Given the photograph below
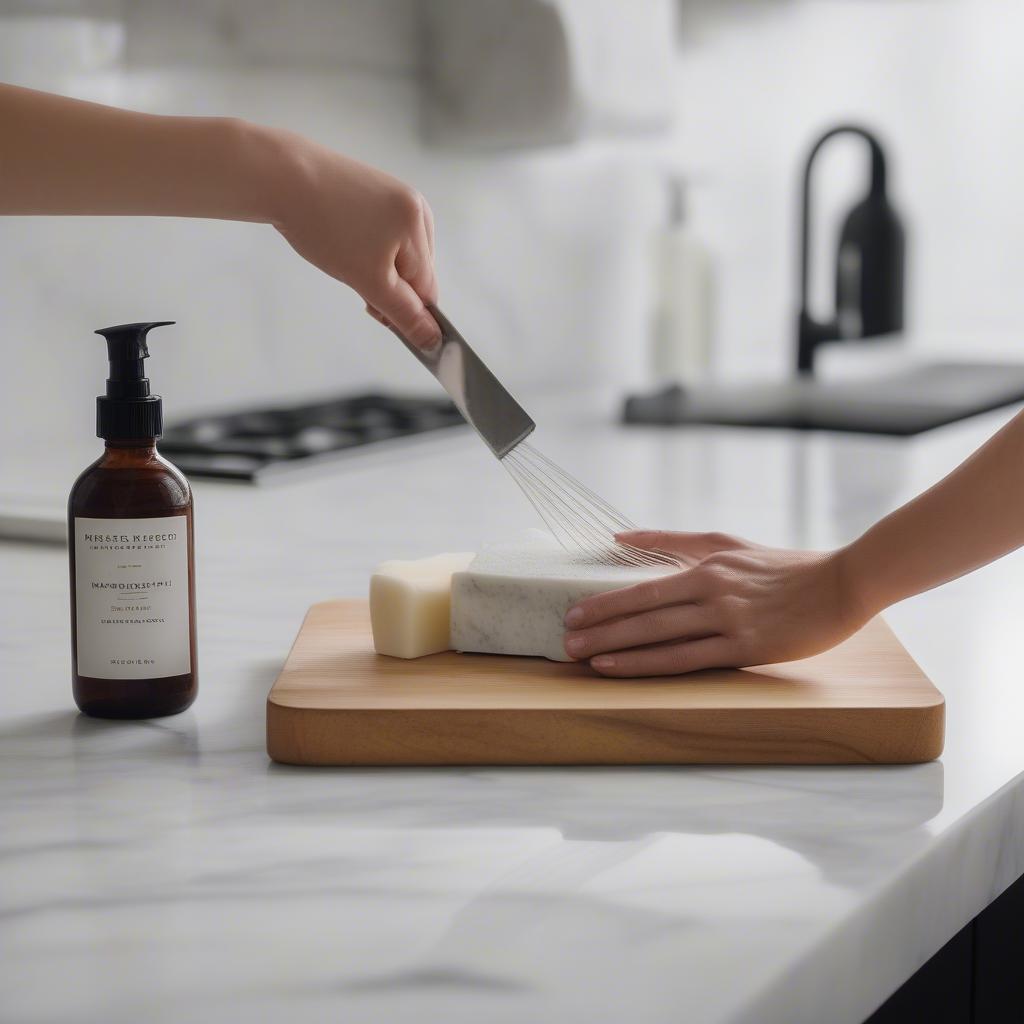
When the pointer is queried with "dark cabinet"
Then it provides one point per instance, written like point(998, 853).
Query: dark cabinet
point(976, 978)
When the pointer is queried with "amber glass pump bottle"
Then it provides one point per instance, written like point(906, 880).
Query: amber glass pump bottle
point(133, 637)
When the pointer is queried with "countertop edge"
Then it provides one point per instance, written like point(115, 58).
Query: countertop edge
point(902, 925)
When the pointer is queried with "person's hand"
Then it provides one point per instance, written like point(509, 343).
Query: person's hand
point(363, 227)
point(737, 604)
point(356, 223)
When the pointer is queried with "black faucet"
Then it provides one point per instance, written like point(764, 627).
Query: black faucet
point(868, 303)
point(869, 262)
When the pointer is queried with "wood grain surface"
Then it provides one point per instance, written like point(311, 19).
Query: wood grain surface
point(337, 702)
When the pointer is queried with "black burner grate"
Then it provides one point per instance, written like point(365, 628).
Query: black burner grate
point(250, 444)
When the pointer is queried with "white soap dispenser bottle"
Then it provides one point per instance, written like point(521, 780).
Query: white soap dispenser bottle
point(683, 286)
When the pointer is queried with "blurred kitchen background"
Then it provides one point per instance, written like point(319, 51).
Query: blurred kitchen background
point(546, 160)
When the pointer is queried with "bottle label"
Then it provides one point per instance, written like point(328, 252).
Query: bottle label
point(131, 597)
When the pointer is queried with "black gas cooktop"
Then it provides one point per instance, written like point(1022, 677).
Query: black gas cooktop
point(251, 444)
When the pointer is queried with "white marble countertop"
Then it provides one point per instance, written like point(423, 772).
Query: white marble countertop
point(167, 871)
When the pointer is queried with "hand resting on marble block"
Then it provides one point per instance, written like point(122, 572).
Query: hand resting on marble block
point(740, 604)
point(737, 604)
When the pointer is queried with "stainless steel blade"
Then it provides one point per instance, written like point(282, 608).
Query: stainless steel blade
point(481, 398)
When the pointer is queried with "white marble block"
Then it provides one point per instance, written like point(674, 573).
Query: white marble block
point(512, 598)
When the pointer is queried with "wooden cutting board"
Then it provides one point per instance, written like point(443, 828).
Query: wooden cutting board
point(337, 702)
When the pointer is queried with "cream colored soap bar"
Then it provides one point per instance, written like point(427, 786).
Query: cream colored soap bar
point(410, 605)
point(512, 598)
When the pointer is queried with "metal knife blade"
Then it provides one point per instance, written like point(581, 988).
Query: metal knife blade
point(481, 398)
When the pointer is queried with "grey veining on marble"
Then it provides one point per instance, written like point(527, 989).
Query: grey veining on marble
point(513, 597)
point(166, 871)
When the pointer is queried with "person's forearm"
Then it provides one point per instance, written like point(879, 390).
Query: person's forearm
point(355, 222)
point(64, 156)
point(970, 518)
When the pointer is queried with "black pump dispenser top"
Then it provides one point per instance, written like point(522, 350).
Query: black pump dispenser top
point(128, 412)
